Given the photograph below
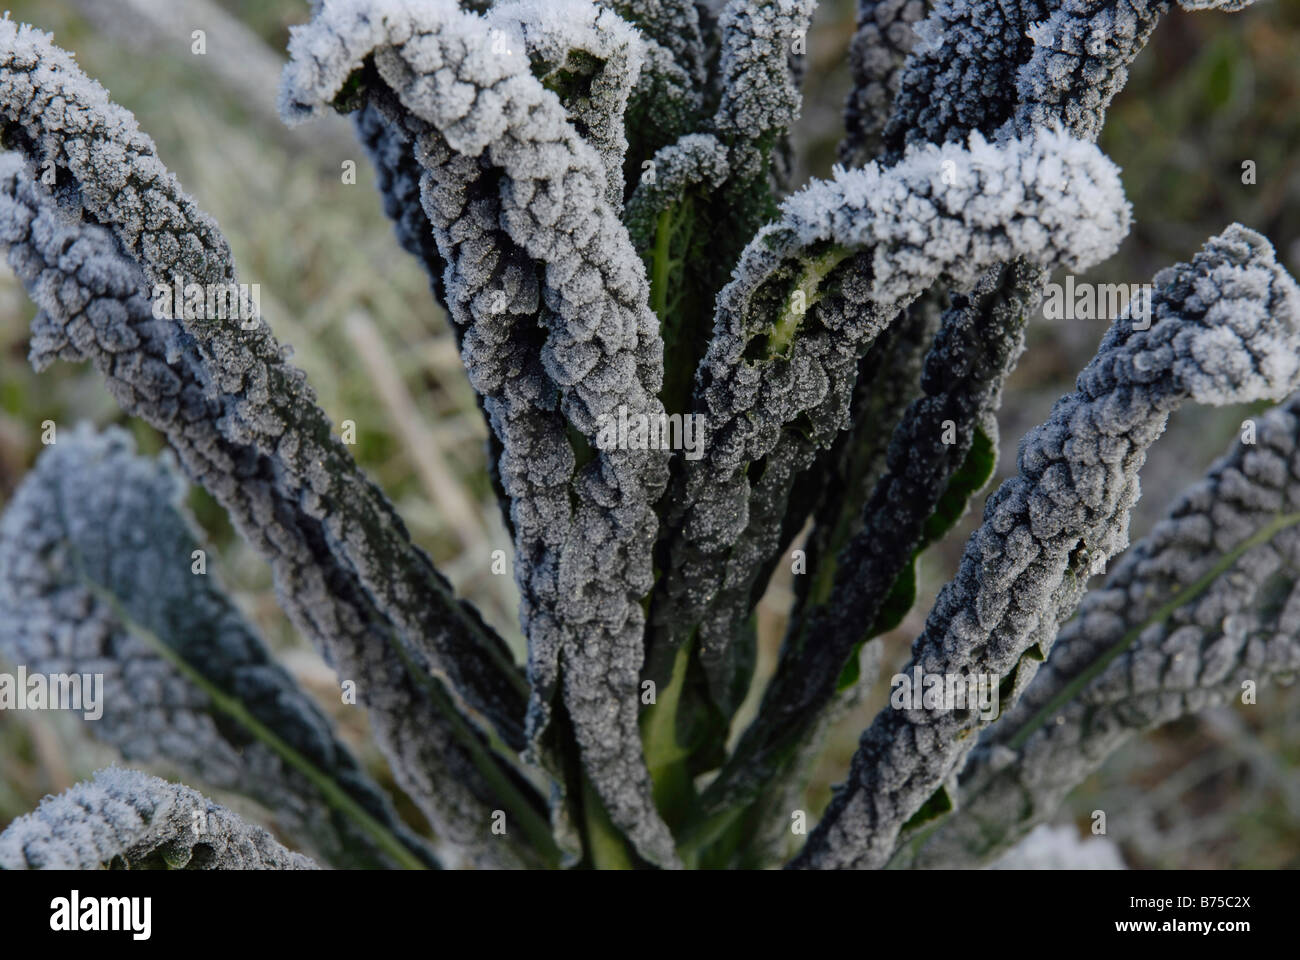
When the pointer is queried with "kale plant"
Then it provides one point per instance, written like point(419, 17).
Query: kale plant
point(692, 375)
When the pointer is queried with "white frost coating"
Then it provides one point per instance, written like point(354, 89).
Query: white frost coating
point(671, 25)
point(694, 159)
point(1224, 329)
point(127, 818)
point(1080, 59)
point(759, 95)
point(886, 33)
point(551, 30)
point(92, 512)
point(54, 112)
point(438, 61)
point(929, 37)
point(667, 98)
point(1244, 625)
point(1006, 67)
point(93, 306)
point(961, 73)
point(448, 214)
point(1048, 197)
point(603, 347)
point(945, 213)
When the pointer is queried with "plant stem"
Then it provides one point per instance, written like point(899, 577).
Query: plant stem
point(604, 842)
point(534, 826)
point(665, 756)
point(661, 263)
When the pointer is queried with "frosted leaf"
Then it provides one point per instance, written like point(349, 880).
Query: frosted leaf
point(668, 97)
point(1024, 570)
point(878, 238)
point(979, 340)
point(127, 819)
point(491, 291)
point(759, 96)
point(886, 32)
point(674, 25)
point(92, 513)
point(1080, 58)
point(398, 181)
point(1228, 6)
point(562, 37)
point(695, 159)
point(602, 348)
point(154, 370)
point(961, 76)
point(990, 64)
point(54, 112)
point(1079, 708)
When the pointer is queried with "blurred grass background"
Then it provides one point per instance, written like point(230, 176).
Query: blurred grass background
point(1211, 91)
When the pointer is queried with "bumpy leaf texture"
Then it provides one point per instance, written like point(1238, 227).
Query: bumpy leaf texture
point(759, 95)
point(674, 25)
point(979, 64)
point(758, 75)
point(877, 54)
point(53, 113)
point(1223, 329)
point(1206, 604)
point(124, 819)
point(996, 313)
point(667, 98)
point(961, 383)
point(92, 306)
point(91, 514)
point(961, 72)
point(697, 158)
point(490, 289)
point(774, 391)
point(1049, 85)
point(1081, 54)
point(586, 556)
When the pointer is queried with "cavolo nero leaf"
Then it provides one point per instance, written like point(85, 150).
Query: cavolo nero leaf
point(975, 472)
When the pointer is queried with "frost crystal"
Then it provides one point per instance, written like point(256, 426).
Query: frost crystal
point(1081, 55)
point(92, 516)
point(55, 113)
point(758, 93)
point(962, 76)
point(599, 193)
point(698, 158)
point(602, 349)
point(92, 306)
point(128, 820)
point(887, 31)
point(1050, 198)
point(1223, 329)
point(961, 384)
point(1125, 665)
